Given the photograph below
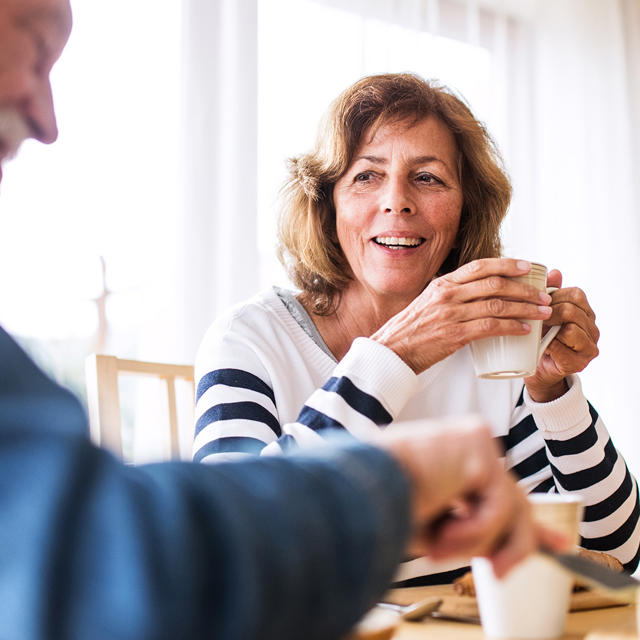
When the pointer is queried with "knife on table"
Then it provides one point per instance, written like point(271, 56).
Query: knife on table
point(619, 585)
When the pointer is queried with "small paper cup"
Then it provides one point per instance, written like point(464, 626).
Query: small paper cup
point(532, 600)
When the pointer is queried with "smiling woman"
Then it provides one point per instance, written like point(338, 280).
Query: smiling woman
point(398, 210)
point(435, 121)
point(389, 228)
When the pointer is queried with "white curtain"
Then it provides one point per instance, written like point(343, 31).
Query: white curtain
point(583, 195)
point(215, 233)
point(217, 261)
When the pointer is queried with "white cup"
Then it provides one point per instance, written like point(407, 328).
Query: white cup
point(515, 356)
point(532, 600)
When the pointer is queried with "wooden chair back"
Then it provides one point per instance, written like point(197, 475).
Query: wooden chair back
point(103, 396)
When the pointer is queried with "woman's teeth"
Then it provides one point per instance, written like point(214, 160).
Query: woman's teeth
point(397, 243)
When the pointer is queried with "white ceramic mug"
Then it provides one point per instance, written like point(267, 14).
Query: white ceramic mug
point(532, 600)
point(515, 356)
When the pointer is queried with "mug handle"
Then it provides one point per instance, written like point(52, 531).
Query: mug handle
point(551, 334)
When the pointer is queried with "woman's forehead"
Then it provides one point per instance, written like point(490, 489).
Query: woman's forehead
point(383, 129)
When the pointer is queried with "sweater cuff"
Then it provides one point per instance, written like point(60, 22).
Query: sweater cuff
point(380, 372)
point(568, 412)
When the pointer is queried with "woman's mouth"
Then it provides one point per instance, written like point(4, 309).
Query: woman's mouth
point(398, 242)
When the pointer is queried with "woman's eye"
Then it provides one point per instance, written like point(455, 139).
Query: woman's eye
point(428, 178)
point(362, 177)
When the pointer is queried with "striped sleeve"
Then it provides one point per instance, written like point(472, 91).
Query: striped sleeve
point(235, 414)
point(237, 410)
point(563, 446)
point(368, 388)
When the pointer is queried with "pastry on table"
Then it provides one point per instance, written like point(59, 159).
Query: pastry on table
point(464, 584)
point(377, 624)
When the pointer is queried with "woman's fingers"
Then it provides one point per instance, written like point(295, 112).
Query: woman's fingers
point(500, 308)
point(492, 287)
point(576, 340)
point(571, 305)
point(576, 343)
point(482, 299)
point(571, 351)
point(485, 267)
point(554, 279)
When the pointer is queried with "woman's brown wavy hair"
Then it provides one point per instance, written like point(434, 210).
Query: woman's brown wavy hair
point(308, 245)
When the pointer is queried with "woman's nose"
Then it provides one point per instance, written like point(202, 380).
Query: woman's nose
point(397, 198)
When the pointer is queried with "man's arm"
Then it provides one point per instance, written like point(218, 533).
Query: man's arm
point(262, 548)
point(267, 548)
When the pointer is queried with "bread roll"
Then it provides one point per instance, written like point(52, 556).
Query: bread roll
point(464, 584)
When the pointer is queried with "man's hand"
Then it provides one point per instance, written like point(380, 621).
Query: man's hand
point(464, 503)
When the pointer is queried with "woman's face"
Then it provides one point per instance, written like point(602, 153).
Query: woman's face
point(398, 208)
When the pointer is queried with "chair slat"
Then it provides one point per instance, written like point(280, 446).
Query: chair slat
point(173, 417)
point(103, 396)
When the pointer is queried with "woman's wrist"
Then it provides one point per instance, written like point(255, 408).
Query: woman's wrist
point(400, 347)
point(547, 393)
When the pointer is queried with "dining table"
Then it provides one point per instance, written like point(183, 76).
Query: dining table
point(593, 617)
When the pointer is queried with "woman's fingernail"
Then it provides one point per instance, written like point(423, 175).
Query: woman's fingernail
point(523, 265)
point(545, 297)
point(526, 327)
point(545, 310)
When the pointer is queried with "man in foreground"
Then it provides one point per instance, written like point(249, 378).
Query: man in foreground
point(90, 548)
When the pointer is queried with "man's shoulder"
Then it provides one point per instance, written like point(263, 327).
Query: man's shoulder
point(17, 370)
point(30, 399)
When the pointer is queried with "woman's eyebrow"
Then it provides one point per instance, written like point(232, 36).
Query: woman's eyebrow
point(416, 160)
point(374, 159)
point(427, 160)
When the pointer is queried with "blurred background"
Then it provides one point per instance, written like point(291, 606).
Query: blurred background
point(156, 208)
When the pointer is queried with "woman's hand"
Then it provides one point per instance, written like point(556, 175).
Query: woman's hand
point(475, 301)
point(572, 349)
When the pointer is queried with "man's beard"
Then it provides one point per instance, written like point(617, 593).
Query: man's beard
point(13, 131)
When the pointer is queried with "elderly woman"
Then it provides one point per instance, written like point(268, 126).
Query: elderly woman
point(390, 231)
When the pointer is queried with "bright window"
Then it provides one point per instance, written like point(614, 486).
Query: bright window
point(108, 187)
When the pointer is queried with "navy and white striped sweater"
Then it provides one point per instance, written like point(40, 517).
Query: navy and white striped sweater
point(265, 381)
